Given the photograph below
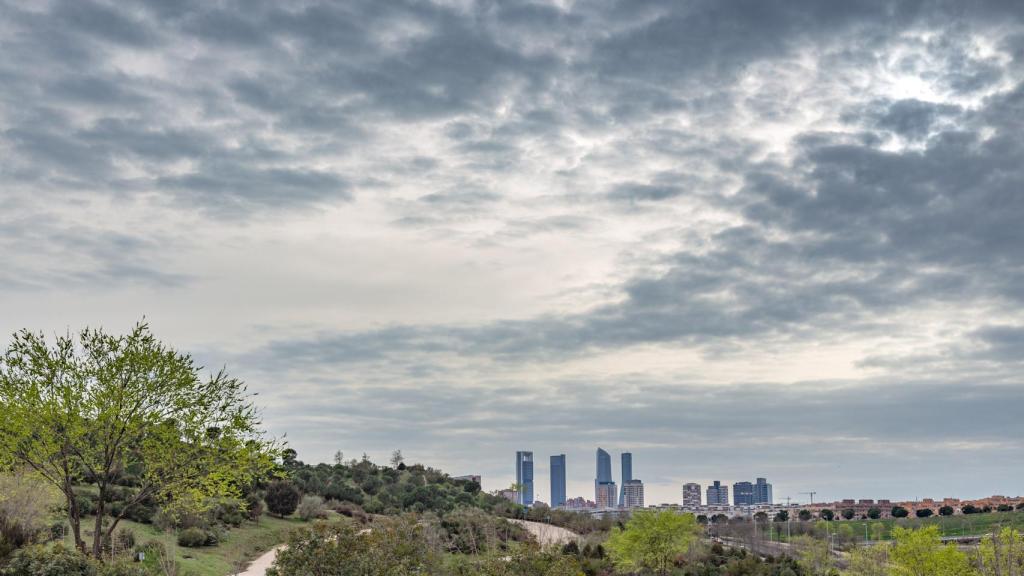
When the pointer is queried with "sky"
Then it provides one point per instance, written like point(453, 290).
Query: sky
point(736, 238)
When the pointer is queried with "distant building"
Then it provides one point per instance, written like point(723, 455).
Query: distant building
point(604, 494)
point(508, 494)
point(557, 480)
point(717, 495)
point(632, 494)
point(627, 475)
point(743, 494)
point(470, 477)
point(579, 503)
point(603, 480)
point(691, 496)
point(763, 492)
point(524, 478)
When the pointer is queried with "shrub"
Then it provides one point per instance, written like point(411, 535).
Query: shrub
point(900, 512)
point(923, 512)
point(192, 538)
point(969, 509)
point(254, 506)
point(41, 561)
point(849, 513)
point(874, 513)
point(946, 511)
point(1004, 508)
point(312, 507)
point(282, 498)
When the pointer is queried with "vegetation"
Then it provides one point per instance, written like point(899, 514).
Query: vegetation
point(282, 498)
point(651, 541)
point(101, 409)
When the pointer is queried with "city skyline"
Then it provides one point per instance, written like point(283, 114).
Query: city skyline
point(736, 239)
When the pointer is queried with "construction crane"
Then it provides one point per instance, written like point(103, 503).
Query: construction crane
point(811, 494)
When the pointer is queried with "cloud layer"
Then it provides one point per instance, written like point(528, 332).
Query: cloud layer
point(738, 238)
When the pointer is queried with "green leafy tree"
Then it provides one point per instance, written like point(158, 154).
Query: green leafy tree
point(1002, 554)
point(868, 561)
point(874, 513)
point(782, 516)
point(946, 511)
point(899, 512)
point(827, 515)
point(651, 541)
point(921, 553)
point(849, 513)
point(84, 409)
point(805, 515)
point(923, 513)
point(813, 556)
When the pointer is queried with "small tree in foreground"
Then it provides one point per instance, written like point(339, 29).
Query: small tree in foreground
point(921, 553)
point(651, 541)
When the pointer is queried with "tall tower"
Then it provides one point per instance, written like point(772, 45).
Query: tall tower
point(524, 478)
point(627, 475)
point(558, 480)
point(604, 486)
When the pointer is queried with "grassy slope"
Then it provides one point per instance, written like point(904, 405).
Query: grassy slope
point(240, 546)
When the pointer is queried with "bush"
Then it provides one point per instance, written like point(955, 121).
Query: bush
point(923, 512)
point(282, 498)
point(1004, 508)
point(900, 512)
point(874, 513)
point(192, 538)
point(254, 506)
point(42, 561)
point(849, 513)
point(946, 511)
point(970, 509)
point(312, 507)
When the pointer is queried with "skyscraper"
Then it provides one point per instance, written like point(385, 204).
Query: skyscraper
point(743, 494)
point(627, 475)
point(557, 480)
point(604, 486)
point(632, 494)
point(524, 478)
point(763, 492)
point(718, 495)
point(691, 496)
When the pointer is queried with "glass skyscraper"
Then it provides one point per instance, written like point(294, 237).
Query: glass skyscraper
point(558, 480)
point(524, 478)
point(627, 475)
point(763, 492)
point(604, 486)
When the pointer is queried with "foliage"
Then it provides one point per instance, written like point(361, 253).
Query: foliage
point(868, 561)
point(394, 547)
point(83, 409)
point(1002, 554)
point(804, 515)
point(921, 553)
point(946, 511)
point(311, 507)
point(923, 512)
point(39, 560)
point(193, 537)
point(827, 515)
point(899, 512)
point(874, 513)
point(282, 498)
point(848, 513)
point(651, 541)
point(26, 505)
point(813, 556)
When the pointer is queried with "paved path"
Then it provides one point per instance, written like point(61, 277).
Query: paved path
point(259, 566)
point(547, 534)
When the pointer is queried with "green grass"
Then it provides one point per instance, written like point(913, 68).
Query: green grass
point(240, 546)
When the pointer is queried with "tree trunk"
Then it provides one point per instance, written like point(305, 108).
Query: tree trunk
point(97, 535)
point(74, 516)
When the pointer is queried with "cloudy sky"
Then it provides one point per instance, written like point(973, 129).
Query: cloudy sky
point(740, 238)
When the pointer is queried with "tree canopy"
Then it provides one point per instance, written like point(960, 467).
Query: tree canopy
point(89, 408)
point(651, 541)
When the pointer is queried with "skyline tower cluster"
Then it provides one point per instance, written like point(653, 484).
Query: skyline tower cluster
point(607, 493)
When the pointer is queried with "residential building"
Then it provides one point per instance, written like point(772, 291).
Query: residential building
point(604, 494)
point(524, 478)
point(603, 480)
point(691, 496)
point(763, 492)
point(470, 477)
point(627, 475)
point(558, 480)
point(632, 494)
point(579, 503)
point(717, 495)
point(743, 494)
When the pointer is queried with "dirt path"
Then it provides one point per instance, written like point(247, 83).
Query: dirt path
point(259, 566)
point(547, 534)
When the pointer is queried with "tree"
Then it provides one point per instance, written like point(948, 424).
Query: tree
point(921, 553)
point(651, 541)
point(923, 512)
point(282, 498)
point(868, 561)
point(1002, 554)
point(969, 509)
point(899, 512)
point(89, 407)
point(1004, 508)
point(397, 459)
point(946, 511)
point(874, 513)
point(849, 513)
point(339, 458)
point(805, 515)
point(782, 516)
point(813, 555)
point(827, 515)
